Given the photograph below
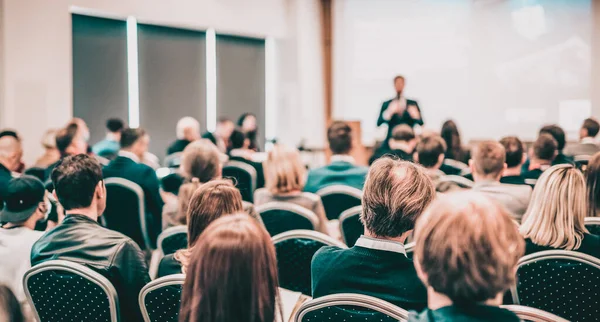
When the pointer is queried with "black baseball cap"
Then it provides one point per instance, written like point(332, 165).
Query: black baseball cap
point(21, 198)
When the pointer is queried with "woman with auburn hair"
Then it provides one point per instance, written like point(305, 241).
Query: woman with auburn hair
point(208, 203)
point(232, 275)
point(285, 176)
point(592, 175)
point(451, 135)
point(555, 217)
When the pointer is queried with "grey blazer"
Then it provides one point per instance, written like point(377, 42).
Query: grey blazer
point(582, 149)
point(515, 198)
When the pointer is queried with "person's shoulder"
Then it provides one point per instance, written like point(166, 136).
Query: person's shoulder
point(327, 254)
point(311, 196)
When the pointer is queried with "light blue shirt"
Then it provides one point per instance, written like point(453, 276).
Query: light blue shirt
point(105, 147)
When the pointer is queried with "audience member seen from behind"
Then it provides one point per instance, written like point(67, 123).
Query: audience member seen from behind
point(10, 161)
point(220, 137)
point(284, 181)
point(25, 205)
point(488, 165)
point(592, 175)
point(343, 169)
point(175, 210)
point(466, 273)
point(587, 139)
point(248, 126)
point(429, 153)
point(187, 131)
point(515, 157)
point(541, 156)
point(70, 140)
point(232, 274)
point(109, 147)
point(241, 152)
point(10, 308)
point(559, 135)
point(555, 217)
point(80, 238)
point(127, 165)
point(396, 194)
point(454, 148)
point(208, 203)
point(401, 144)
point(51, 154)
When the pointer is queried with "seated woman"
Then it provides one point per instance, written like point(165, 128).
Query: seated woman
point(592, 175)
point(232, 275)
point(285, 176)
point(467, 249)
point(209, 202)
point(555, 217)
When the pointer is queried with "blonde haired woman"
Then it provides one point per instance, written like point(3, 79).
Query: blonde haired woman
point(555, 217)
point(285, 176)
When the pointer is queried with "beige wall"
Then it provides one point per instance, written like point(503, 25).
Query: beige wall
point(596, 59)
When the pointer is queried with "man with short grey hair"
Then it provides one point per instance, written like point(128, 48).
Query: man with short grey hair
point(188, 130)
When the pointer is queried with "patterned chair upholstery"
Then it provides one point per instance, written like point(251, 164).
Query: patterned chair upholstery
point(65, 291)
point(279, 217)
point(245, 178)
point(349, 308)
point(172, 239)
point(338, 198)
point(160, 299)
point(295, 250)
point(529, 314)
point(564, 283)
point(593, 225)
point(350, 225)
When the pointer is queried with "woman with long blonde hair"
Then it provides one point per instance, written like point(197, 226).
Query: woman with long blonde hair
point(555, 217)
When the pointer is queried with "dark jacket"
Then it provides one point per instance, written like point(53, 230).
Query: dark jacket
point(396, 119)
point(168, 266)
point(339, 172)
point(533, 174)
point(383, 151)
point(82, 240)
point(474, 313)
point(590, 244)
point(177, 146)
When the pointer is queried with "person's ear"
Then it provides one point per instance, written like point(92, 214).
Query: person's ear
point(100, 190)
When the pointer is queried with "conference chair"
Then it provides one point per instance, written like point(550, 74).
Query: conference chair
point(125, 211)
point(564, 283)
point(338, 198)
point(454, 167)
point(581, 161)
point(59, 290)
point(295, 250)
point(173, 160)
point(350, 225)
point(102, 160)
point(160, 299)
point(593, 225)
point(172, 239)
point(346, 307)
point(529, 314)
point(245, 178)
point(279, 217)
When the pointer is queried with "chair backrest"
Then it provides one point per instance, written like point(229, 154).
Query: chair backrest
point(172, 239)
point(456, 164)
point(160, 299)
point(173, 160)
point(593, 225)
point(457, 180)
point(245, 175)
point(529, 314)
point(295, 250)
point(125, 210)
point(561, 282)
point(338, 198)
point(280, 217)
point(350, 225)
point(349, 308)
point(59, 289)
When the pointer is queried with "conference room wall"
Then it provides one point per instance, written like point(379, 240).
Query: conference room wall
point(37, 64)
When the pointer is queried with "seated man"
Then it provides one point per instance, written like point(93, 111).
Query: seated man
point(515, 157)
point(127, 165)
point(25, 206)
point(541, 156)
point(109, 147)
point(220, 137)
point(79, 238)
point(487, 165)
point(396, 193)
point(11, 152)
point(430, 153)
point(188, 130)
point(240, 151)
point(401, 144)
point(466, 273)
point(70, 140)
point(342, 169)
point(587, 143)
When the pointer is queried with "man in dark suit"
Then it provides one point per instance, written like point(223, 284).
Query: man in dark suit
point(220, 137)
point(188, 130)
point(396, 194)
point(240, 151)
point(541, 155)
point(127, 165)
point(401, 144)
point(342, 170)
point(399, 110)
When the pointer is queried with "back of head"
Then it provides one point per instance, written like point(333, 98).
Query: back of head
point(488, 159)
point(476, 264)
point(557, 133)
point(451, 136)
point(114, 125)
point(429, 149)
point(284, 171)
point(592, 174)
point(237, 139)
point(201, 159)
point(129, 136)
point(75, 179)
point(10, 151)
point(556, 212)
point(395, 194)
point(403, 133)
point(339, 135)
point(545, 147)
point(232, 274)
point(10, 308)
point(188, 128)
point(514, 151)
point(65, 137)
point(591, 127)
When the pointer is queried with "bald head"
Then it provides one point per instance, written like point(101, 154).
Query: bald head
point(10, 152)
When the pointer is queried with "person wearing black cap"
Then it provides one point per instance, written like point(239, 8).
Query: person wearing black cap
point(24, 205)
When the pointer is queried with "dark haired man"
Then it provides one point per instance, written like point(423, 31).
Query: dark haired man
point(515, 157)
point(587, 136)
point(401, 144)
point(399, 110)
point(79, 238)
point(109, 147)
point(541, 156)
point(70, 140)
point(342, 169)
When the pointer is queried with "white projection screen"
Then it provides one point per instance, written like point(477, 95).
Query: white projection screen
point(502, 67)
